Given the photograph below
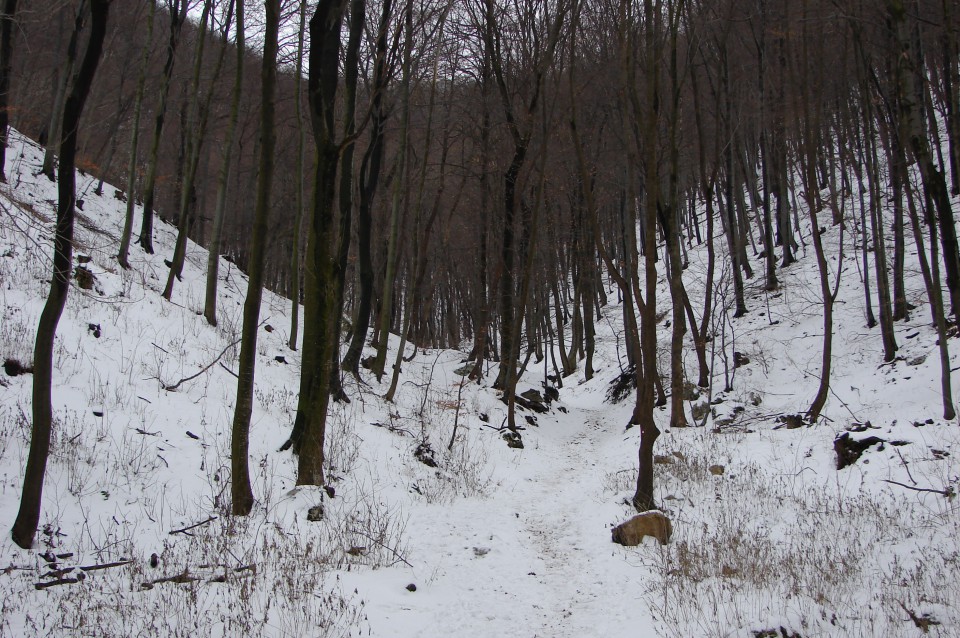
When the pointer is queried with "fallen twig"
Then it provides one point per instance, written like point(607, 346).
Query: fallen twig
point(905, 466)
point(184, 530)
point(171, 388)
point(181, 578)
point(948, 493)
point(54, 583)
point(58, 573)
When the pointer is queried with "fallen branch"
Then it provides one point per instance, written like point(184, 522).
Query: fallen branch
point(393, 429)
point(905, 466)
point(181, 578)
point(58, 573)
point(54, 583)
point(171, 388)
point(184, 530)
point(947, 493)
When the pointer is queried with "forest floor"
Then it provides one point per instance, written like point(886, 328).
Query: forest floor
point(493, 541)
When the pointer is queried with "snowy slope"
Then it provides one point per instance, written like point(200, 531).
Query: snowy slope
point(497, 541)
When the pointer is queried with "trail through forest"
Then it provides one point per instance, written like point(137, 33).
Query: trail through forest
point(534, 558)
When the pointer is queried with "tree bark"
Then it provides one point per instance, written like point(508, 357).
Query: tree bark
point(124, 252)
point(25, 527)
point(223, 177)
point(370, 168)
point(295, 259)
point(933, 179)
point(7, 17)
point(178, 14)
point(241, 492)
point(319, 307)
point(195, 130)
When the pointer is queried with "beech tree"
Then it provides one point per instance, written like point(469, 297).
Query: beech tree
point(28, 516)
point(240, 490)
point(223, 175)
point(178, 14)
point(7, 16)
point(320, 342)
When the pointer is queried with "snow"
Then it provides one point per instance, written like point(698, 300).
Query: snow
point(497, 541)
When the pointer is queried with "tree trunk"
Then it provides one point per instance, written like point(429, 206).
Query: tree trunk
point(400, 179)
point(223, 178)
point(178, 14)
point(295, 267)
point(25, 527)
point(63, 85)
point(370, 169)
point(879, 247)
point(241, 493)
point(195, 130)
point(933, 179)
point(647, 115)
point(7, 17)
point(357, 15)
point(319, 340)
point(124, 252)
point(931, 279)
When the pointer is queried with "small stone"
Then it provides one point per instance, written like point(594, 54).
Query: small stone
point(513, 439)
point(411, 587)
point(849, 450)
point(424, 453)
point(315, 513)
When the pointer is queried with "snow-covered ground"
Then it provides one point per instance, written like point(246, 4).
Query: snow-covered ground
point(494, 541)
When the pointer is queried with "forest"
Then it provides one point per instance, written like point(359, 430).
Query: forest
point(535, 184)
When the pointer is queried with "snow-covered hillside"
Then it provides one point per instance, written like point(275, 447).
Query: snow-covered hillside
point(770, 539)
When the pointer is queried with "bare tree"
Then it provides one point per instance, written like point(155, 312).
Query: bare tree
point(178, 14)
point(25, 526)
point(241, 493)
point(7, 16)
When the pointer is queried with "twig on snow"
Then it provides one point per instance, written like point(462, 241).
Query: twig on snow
point(171, 388)
point(184, 530)
point(947, 493)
